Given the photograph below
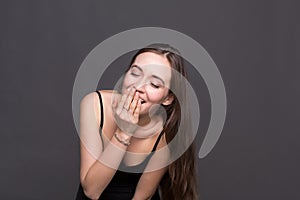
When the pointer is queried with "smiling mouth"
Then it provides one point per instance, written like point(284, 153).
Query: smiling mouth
point(143, 101)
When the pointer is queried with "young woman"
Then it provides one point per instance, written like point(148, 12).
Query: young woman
point(121, 163)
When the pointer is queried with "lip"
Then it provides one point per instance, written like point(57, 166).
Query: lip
point(143, 101)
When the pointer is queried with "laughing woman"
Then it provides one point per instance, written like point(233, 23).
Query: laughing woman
point(125, 135)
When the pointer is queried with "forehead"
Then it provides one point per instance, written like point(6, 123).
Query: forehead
point(154, 63)
point(148, 58)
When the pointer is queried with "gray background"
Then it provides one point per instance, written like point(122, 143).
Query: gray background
point(254, 44)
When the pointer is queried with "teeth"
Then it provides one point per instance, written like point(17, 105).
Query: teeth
point(143, 101)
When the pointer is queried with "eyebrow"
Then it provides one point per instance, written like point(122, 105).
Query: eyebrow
point(154, 76)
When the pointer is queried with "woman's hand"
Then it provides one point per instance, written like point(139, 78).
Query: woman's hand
point(126, 110)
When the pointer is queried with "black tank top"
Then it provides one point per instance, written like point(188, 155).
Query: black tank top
point(124, 182)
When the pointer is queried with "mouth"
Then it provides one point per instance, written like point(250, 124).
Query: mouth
point(143, 101)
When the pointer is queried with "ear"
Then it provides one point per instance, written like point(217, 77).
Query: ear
point(168, 100)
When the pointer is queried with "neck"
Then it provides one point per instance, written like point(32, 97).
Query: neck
point(144, 120)
point(149, 126)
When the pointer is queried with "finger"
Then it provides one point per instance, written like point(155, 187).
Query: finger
point(129, 98)
point(121, 104)
point(137, 110)
point(134, 103)
point(114, 102)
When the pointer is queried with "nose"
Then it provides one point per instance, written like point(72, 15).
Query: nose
point(140, 86)
point(140, 90)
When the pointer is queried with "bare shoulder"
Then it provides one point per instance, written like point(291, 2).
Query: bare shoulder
point(88, 99)
point(109, 123)
point(161, 157)
point(163, 142)
point(163, 148)
point(106, 96)
point(91, 102)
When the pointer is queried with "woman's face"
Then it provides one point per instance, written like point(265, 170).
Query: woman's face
point(150, 74)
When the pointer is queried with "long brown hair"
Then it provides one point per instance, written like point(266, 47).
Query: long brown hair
point(180, 181)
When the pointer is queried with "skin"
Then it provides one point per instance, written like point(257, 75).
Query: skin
point(150, 75)
point(148, 79)
point(140, 82)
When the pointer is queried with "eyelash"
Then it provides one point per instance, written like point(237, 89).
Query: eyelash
point(152, 84)
point(155, 86)
point(133, 74)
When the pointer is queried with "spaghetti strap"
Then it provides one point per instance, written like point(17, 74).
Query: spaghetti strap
point(101, 107)
point(102, 118)
point(158, 139)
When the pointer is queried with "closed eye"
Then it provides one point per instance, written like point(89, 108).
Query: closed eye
point(155, 86)
point(134, 74)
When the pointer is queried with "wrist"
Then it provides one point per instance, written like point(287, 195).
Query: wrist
point(122, 137)
point(123, 134)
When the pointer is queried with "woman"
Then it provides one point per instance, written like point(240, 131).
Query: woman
point(122, 162)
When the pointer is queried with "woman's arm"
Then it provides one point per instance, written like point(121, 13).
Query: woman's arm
point(95, 175)
point(148, 184)
point(150, 179)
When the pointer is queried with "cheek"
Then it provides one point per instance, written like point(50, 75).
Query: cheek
point(128, 82)
point(156, 96)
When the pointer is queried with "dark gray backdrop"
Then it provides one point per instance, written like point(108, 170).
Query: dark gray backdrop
point(255, 45)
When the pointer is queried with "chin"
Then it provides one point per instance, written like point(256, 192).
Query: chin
point(144, 112)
